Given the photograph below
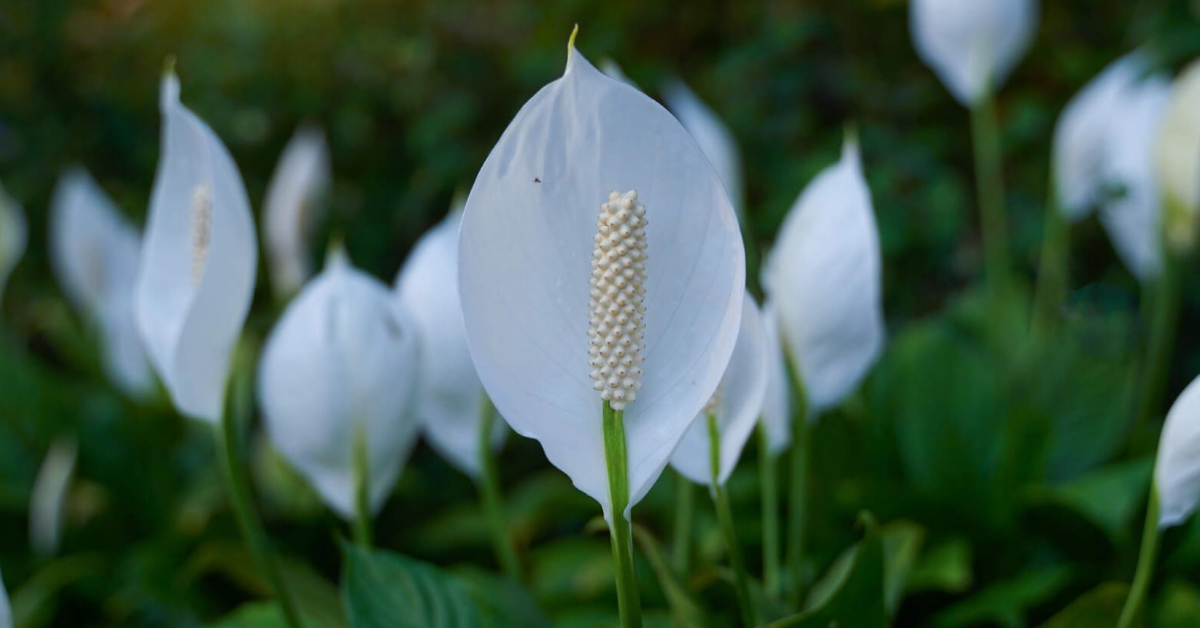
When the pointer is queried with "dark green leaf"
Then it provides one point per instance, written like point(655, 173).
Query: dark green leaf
point(385, 590)
point(852, 593)
point(1099, 607)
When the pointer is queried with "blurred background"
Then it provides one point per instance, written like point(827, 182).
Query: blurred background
point(1022, 500)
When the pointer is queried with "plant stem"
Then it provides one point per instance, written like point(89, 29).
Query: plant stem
point(989, 184)
point(362, 489)
point(489, 490)
point(1165, 315)
point(770, 513)
point(798, 487)
point(227, 436)
point(616, 455)
point(725, 518)
point(1052, 279)
point(681, 548)
point(1145, 565)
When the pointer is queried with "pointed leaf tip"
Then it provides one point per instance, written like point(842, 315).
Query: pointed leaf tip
point(571, 45)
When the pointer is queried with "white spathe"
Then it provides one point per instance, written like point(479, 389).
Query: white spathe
point(972, 45)
point(525, 250)
point(1178, 161)
point(6, 620)
point(13, 235)
point(449, 399)
point(1177, 470)
point(95, 252)
point(293, 208)
point(714, 138)
point(824, 278)
point(47, 505)
point(777, 403)
point(199, 259)
point(738, 403)
point(342, 359)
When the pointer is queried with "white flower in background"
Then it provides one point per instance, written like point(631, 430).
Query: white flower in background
point(48, 504)
point(6, 620)
point(711, 134)
point(531, 245)
point(824, 279)
point(292, 209)
point(449, 399)
point(972, 45)
point(1177, 470)
point(1178, 162)
point(736, 404)
point(13, 234)
point(613, 71)
point(340, 364)
point(777, 404)
point(198, 261)
point(95, 253)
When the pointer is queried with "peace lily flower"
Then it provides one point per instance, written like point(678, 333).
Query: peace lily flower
point(972, 45)
point(337, 375)
point(450, 400)
point(5, 610)
point(95, 252)
point(198, 261)
point(711, 134)
point(48, 504)
point(1177, 471)
point(13, 234)
point(292, 209)
point(735, 404)
point(777, 402)
point(1179, 161)
point(824, 278)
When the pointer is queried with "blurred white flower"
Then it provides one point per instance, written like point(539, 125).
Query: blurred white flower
point(6, 620)
point(714, 138)
point(1178, 162)
point(777, 403)
point(48, 504)
point(583, 145)
point(449, 399)
point(342, 361)
point(972, 45)
point(1177, 470)
point(736, 404)
point(198, 261)
point(824, 279)
point(292, 209)
point(13, 234)
point(95, 254)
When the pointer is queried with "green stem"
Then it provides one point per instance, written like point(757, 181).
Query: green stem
point(1145, 565)
point(616, 456)
point(798, 487)
point(489, 489)
point(1053, 277)
point(248, 521)
point(681, 548)
point(725, 518)
point(1165, 316)
point(362, 489)
point(989, 184)
point(770, 512)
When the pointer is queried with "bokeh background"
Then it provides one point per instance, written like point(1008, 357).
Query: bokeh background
point(1020, 475)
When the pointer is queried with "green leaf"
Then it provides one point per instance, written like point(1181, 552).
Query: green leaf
point(1099, 607)
point(902, 542)
point(944, 567)
point(1006, 602)
point(261, 615)
point(385, 590)
point(684, 609)
point(1092, 512)
point(851, 593)
point(501, 601)
point(1179, 606)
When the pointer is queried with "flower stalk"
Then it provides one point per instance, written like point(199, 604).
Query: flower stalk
point(1052, 278)
point(617, 458)
point(770, 513)
point(985, 132)
point(489, 491)
point(798, 493)
point(725, 519)
point(362, 489)
point(1147, 556)
point(685, 510)
point(1164, 316)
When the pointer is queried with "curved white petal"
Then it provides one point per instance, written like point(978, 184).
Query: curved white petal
point(342, 358)
point(13, 234)
point(1177, 471)
point(1179, 161)
point(292, 208)
point(48, 502)
point(525, 250)
point(711, 134)
point(450, 398)
point(1081, 137)
point(198, 261)
point(825, 277)
point(95, 252)
point(740, 402)
point(5, 610)
point(777, 404)
point(972, 45)
point(1132, 212)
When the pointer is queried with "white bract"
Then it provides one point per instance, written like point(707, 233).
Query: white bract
point(1177, 470)
point(13, 234)
point(591, 170)
point(95, 253)
point(736, 404)
point(449, 399)
point(824, 279)
point(5, 610)
point(198, 261)
point(47, 506)
point(341, 364)
point(711, 134)
point(292, 208)
point(777, 403)
point(1178, 162)
point(972, 45)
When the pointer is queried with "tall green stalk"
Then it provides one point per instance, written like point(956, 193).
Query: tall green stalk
point(725, 517)
point(1147, 556)
point(616, 455)
point(1053, 278)
point(489, 490)
point(1161, 344)
point(989, 183)
point(685, 511)
point(770, 513)
point(798, 486)
point(362, 489)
